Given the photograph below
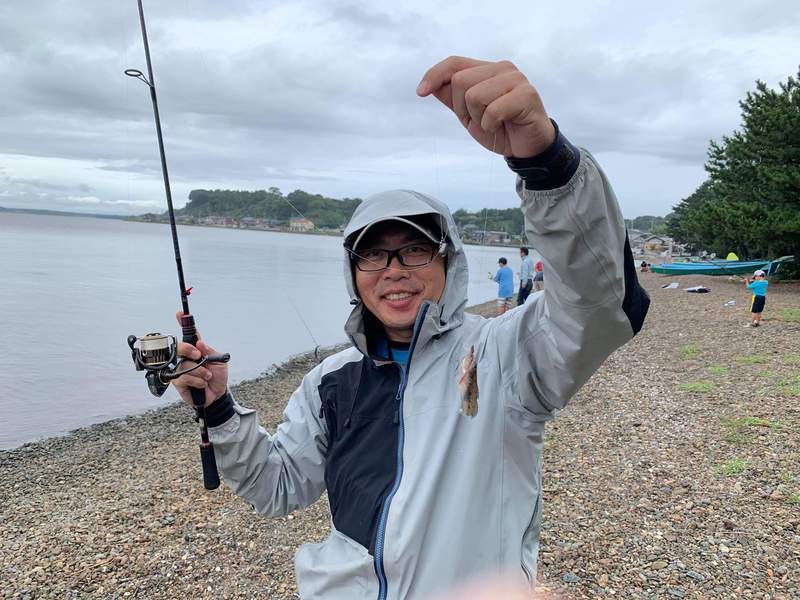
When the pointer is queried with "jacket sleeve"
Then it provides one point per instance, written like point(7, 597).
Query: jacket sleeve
point(592, 302)
point(276, 473)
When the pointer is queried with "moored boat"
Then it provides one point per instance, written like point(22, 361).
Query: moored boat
point(720, 267)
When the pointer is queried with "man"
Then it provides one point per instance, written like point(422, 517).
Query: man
point(423, 497)
point(505, 286)
point(525, 276)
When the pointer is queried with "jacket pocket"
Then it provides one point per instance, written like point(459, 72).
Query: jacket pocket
point(336, 569)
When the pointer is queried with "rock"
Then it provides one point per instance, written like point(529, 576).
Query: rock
point(570, 578)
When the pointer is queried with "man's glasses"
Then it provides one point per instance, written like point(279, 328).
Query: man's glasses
point(414, 255)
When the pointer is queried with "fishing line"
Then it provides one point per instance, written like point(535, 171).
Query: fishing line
point(297, 211)
point(486, 208)
point(308, 329)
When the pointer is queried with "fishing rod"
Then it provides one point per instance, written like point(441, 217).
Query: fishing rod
point(157, 353)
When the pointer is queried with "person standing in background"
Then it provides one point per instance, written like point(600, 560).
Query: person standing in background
point(505, 285)
point(759, 289)
point(538, 277)
point(525, 276)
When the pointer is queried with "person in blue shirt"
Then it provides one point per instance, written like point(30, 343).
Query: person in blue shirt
point(505, 286)
point(525, 276)
point(759, 287)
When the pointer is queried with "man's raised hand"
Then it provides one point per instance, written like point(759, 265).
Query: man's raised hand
point(494, 101)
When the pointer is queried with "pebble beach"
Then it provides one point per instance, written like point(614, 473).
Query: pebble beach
point(674, 473)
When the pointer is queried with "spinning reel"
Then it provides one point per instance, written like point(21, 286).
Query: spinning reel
point(158, 355)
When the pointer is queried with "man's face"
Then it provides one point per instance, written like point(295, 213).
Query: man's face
point(521, 254)
point(394, 295)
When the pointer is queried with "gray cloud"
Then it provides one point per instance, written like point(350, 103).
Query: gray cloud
point(321, 95)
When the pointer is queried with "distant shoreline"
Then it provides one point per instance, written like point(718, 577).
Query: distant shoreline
point(59, 213)
point(139, 219)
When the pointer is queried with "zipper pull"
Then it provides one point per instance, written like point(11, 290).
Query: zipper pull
point(321, 411)
point(396, 419)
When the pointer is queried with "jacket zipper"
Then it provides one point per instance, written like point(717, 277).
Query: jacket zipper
point(379, 537)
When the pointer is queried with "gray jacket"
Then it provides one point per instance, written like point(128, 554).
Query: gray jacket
point(423, 497)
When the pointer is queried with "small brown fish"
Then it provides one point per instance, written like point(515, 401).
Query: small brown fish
point(468, 384)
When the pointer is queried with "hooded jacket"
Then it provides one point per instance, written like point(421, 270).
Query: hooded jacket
point(421, 496)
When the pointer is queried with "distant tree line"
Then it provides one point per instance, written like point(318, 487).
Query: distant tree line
point(270, 204)
point(750, 203)
point(324, 212)
point(508, 220)
point(648, 223)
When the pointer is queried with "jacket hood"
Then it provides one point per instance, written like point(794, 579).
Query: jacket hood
point(440, 316)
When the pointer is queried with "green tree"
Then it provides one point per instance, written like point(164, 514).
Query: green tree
point(751, 201)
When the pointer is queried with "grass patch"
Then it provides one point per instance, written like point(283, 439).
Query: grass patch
point(736, 438)
point(732, 467)
point(787, 477)
point(789, 314)
point(764, 374)
point(791, 359)
point(790, 385)
point(700, 387)
point(740, 422)
point(736, 429)
point(793, 499)
point(718, 370)
point(689, 350)
point(752, 359)
point(792, 390)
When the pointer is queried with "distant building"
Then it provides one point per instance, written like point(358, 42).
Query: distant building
point(212, 220)
point(300, 224)
point(496, 237)
point(635, 236)
point(655, 243)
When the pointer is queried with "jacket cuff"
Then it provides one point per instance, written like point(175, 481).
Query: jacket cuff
point(552, 168)
point(219, 411)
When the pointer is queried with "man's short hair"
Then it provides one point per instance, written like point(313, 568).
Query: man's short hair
point(502, 260)
point(524, 250)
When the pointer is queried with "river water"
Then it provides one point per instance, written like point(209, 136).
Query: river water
point(72, 289)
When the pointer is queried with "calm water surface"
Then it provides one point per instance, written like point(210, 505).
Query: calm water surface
point(72, 289)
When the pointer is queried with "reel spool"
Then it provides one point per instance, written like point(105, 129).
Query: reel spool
point(157, 354)
point(155, 351)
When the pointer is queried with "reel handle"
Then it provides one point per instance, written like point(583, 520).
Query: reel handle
point(210, 472)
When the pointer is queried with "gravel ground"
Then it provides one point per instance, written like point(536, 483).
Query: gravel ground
point(674, 473)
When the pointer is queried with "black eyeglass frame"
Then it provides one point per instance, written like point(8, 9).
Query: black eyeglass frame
point(390, 254)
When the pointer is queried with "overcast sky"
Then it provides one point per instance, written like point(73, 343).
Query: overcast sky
point(320, 95)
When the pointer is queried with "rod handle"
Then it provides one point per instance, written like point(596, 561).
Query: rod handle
point(207, 459)
point(210, 473)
